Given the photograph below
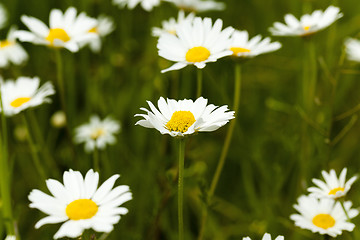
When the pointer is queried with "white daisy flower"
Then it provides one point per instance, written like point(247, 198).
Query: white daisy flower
point(332, 187)
point(24, 93)
point(197, 42)
point(352, 47)
point(184, 117)
point(11, 51)
point(267, 236)
point(97, 133)
point(325, 215)
point(80, 203)
point(66, 30)
point(105, 26)
point(3, 16)
point(170, 25)
point(147, 5)
point(308, 24)
point(198, 5)
point(242, 46)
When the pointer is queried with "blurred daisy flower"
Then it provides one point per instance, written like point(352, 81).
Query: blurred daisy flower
point(3, 16)
point(66, 30)
point(170, 25)
point(97, 133)
point(184, 117)
point(198, 5)
point(105, 26)
point(332, 187)
point(308, 24)
point(147, 5)
point(242, 46)
point(24, 93)
point(11, 51)
point(352, 48)
point(325, 215)
point(197, 42)
point(266, 236)
point(80, 203)
point(10, 237)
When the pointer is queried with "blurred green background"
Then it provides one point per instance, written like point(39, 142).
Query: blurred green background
point(264, 173)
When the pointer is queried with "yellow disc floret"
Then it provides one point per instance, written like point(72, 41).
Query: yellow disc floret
point(57, 33)
point(81, 209)
point(6, 43)
point(306, 28)
point(97, 133)
point(19, 101)
point(237, 50)
point(323, 220)
point(197, 54)
point(335, 190)
point(180, 121)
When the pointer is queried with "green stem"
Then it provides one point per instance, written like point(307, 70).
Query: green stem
point(5, 175)
point(34, 151)
point(343, 207)
point(96, 160)
point(309, 75)
point(60, 78)
point(181, 188)
point(199, 82)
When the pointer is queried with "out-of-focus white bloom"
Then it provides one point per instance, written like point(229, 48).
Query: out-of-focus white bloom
point(170, 25)
point(11, 51)
point(267, 236)
point(10, 237)
point(308, 24)
point(81, 204)
point(184, 117)
point(196, 43)
point(58, 119)
point(24, 93)
point(147, 5)
point(352, 47)
point(242, 46)
point(97, 133)
point(67, 30)
point(3, 16)
point(105, 26)
point(198, 5)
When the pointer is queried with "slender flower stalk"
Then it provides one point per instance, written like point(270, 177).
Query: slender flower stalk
point(96, 159)
point(181, 188)
point(199, 83)
point(60, 79)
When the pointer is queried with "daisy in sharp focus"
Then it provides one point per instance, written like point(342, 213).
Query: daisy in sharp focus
point(147, 5)
point(105, 26)
point(324, 216)
point(267, 236)
point(332, 187)
point(24, 93)
point(184, 117)
point(80, 203)
point(67, 30)
point(198, 5)
point(197, 42)
point(11, 51)
point(352, 48)
point(242, 46)
point(97, 133)
point(3, 16)
point(170, 25)
point(308, 24)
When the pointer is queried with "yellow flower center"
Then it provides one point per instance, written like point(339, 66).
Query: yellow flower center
point(6, 43)
point(335, 190)
point(93, 30)
point(197, 54)
point(81, 209)
point(306, 28)
point(323, 220)
point(180, 121)
point(57, 33)
point(19, 101)
point(237, 50)
point(97, 133)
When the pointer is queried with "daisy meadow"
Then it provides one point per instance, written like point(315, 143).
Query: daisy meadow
point(3, 16)
point(11, 51)
point(324, 216)
point(242, 46)
point(308, 24)
point(80, 203)
point(104, 26)
point(97, 133)
point(197, 42)
point(184, 117)
point(332, 187)
point(267, 236)
point(198, 5)
point(170, 25)
point(147, 5)
point(23, 93)
point(67, 30)
point(352, 47)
